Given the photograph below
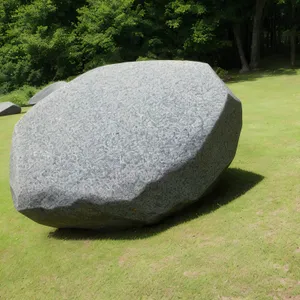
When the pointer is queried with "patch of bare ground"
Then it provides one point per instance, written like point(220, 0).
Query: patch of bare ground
point(127, 258)
point(163, 263)
point(191, 274)
point(289, 285)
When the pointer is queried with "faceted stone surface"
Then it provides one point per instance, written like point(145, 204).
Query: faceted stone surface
point(9, 108)
point(46, 92)
point(124, 145)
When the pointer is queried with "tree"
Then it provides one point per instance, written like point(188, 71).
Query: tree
point(293, 32)
point(256, 33)
point(290, 25)
point(46, 40)
point(105, 29)
point(237, 34)
point(196, 30)
point(235, 14)
point(37, 43)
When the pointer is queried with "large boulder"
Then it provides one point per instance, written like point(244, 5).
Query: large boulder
point(124, 145)
point(46, 92)
point(9, 108)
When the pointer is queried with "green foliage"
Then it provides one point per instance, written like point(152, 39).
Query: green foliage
point(105, 30)
point(20, 96)
point(223, 74)
point(36, 45)
point(49, 40)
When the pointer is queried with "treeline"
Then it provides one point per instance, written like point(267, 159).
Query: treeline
point(48, 40)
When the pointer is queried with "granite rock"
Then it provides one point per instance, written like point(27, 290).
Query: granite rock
point(124, 145)
point(9, 108)
point(46, 92)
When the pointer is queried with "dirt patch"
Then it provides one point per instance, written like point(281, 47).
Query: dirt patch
point(298, 205)
point(202, 240)
point(87, 243)
point(270, 234)
point(163, 263)
point(169, 293)
point(290, 285)
point(127, 258)
point(284, 268)
point(277, 212)
point(191, 234)
point(282, 296)
point(124, 259)
point(230, 298)
point(214, 242)
point(255, 225)
point(191, 274)
point(48, 279)
point(287, 282)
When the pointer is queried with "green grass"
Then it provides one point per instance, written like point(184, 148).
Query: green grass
point(20, 96)
point(242, 243)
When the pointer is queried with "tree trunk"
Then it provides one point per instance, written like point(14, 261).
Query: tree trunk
point(274, 34)
point(293, 47)
point(256, 33)
point(239, 43)
point(293, 35)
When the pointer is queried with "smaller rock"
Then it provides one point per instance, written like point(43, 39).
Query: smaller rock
point(9, 108)
point(46, 91)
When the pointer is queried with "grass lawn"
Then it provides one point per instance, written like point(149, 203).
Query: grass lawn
point(242, 242)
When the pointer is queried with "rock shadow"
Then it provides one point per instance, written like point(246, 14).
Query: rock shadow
point(232, 184)
point(257, 74)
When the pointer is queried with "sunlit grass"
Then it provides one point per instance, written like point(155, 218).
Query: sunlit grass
point(240, 247)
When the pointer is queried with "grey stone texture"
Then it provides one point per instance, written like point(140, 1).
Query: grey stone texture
point(124, 145)
point(46, 92)
point(9, 108)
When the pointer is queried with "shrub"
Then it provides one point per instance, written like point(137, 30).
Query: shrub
point(223, 74)
point(20, 96)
